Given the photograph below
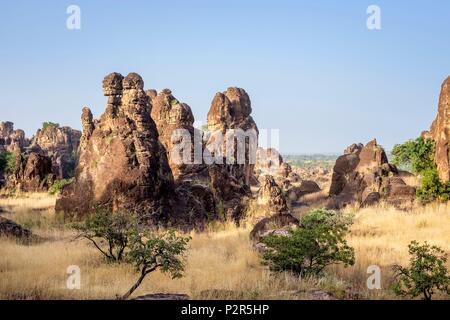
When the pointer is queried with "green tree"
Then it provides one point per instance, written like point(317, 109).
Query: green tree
point(426, 275)
point(58, 185)
point(7, 162)
point(109, 232)
point(150, 252)
point(416, 155)
point(308, 250)
point(49, 124)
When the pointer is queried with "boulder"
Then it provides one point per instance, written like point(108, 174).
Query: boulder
point(9, 228)
point(271, 198)
point(277, 224)
point(363, 175)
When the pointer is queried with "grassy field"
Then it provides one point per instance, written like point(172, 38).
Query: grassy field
point(221, 263)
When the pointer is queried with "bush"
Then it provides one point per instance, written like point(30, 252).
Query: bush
point(415, 155)
point(308, 250)
point(150, 252)
point(58, 186)
point(432, 188)
point(109, 232)
point(49, 124)
point(426, 275)
point(7, 162)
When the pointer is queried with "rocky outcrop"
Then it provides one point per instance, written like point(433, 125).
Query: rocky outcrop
point(61, 145)
point(232, 137)
point(32, 173)
point(364, 175)
point(9, 228)
point(12, 140)
point(122, 164)
point(271, 198)
point(440, 133)
point(175, 124)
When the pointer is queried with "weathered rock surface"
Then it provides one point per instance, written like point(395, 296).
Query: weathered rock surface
point(12, 140)
point(278, 224)
point(271, 198)
point(61, 145)
point(229, 119)
point(440, 133)
point(9, 228)
point(364, 175)
point(33, 173)
point(122, 164)
point(175, 124)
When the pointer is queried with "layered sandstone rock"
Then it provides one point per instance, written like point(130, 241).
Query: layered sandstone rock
point(61, 144)
point(175, 124)
point(271, 197)
point(440, 133)
point(233, 134)
point(12, 140)
point(32, 173)
point(122, 164)
point(364, 175)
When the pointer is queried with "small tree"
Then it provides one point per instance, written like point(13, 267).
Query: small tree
point(426, 275)
point(150, 252)
point(417, 155)
point(308, 250)
point(7, 162)
point(49, 124)
point(109, 232)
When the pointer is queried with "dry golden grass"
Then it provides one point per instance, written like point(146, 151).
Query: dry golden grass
point(221, 263)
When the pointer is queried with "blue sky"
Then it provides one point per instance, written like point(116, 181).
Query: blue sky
point(312, 68)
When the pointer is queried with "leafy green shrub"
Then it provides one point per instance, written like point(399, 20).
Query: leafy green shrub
point(432, 187)
point(109, 232)
point(308, 250)
point(49, 124)
point(426, 275)
point(150, 252)
point(58, 186)
point(7, 162)
point(416, 155)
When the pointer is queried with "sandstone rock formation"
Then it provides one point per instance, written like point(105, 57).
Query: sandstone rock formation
point(122, 164)
point(9, 228)
point(440, 133)
point(230, 120)
point(32, 173)
point(61, 145)
point(364, 175)
point(175, 124)
point(271, 198)
point(12, 140)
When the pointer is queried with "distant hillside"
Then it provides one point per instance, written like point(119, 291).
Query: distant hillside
point(311, 160)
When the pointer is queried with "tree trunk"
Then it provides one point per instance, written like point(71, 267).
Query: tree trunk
point(136, 285)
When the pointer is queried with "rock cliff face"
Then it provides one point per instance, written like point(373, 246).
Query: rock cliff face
point(364, 175)
point(440, 133)
point(175, 124)
point(61, 145)
point(12, 140)
point(229, 119)
point(32, 173)
point(271, 198)
point(122, 164)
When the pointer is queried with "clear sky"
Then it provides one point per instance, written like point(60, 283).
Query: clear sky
point(312, 68)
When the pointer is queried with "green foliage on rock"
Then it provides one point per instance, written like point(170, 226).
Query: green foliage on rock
point(58, 185)
point(426, 275)
point(308, 250)
point(49, 124)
